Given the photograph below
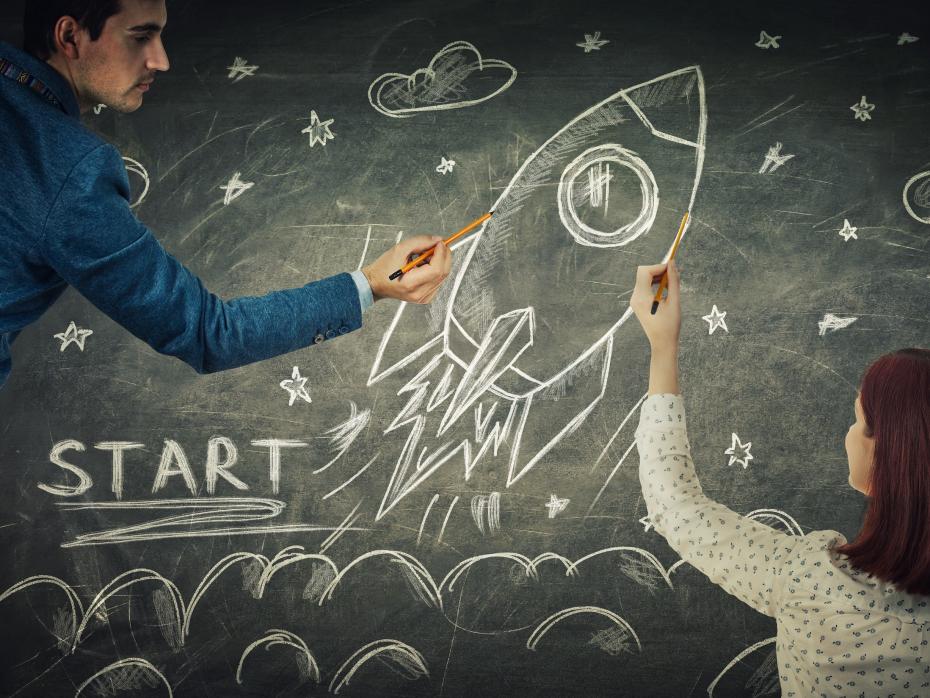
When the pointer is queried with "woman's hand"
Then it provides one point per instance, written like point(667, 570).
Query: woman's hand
point(663, 328)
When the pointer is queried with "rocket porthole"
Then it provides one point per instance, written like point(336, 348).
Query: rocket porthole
point(585, 196)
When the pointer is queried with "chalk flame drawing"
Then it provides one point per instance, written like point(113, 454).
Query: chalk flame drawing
point(405, 660)
point(126, 674)
point(487, 507)
point(306, 664)
point(916, 197)
point(342, 436)
point(136, 168)
point(906, 38)
point(487, 348)
point(351, 479)
point(443, 84)
point(348, 524)
point(559, 616)
point(73, 335)
point(832, 323)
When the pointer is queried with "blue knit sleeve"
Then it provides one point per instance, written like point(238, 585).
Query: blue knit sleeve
point(95, 242)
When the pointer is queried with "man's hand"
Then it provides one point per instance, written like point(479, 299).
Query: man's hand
point(418, 285)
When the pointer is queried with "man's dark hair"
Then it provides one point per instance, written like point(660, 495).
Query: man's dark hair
point(41, 16)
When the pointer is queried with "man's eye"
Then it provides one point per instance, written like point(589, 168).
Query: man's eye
point(142, 39)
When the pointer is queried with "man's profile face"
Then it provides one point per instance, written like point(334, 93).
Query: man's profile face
point(116, 69)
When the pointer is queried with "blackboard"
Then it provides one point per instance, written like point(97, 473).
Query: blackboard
point(497, 546)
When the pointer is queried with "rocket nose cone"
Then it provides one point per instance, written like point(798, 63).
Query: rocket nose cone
point(672, 106)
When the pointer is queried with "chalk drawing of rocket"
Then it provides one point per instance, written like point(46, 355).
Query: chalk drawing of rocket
point(519, 343)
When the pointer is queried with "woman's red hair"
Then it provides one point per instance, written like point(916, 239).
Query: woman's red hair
point(894, 543)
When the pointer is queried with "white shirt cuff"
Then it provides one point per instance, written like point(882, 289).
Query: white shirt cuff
point(365, 299)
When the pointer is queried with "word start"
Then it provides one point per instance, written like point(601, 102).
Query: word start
point(222, 455)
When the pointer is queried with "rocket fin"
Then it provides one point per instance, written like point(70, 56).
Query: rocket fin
point(508, 337)
point(398, 346)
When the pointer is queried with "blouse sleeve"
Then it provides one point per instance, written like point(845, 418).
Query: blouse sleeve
point(743, 556)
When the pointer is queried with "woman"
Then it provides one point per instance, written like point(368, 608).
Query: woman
point(853, 620)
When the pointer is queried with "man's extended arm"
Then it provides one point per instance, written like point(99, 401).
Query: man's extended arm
point(95, 242)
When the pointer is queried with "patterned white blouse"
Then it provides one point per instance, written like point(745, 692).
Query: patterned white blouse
point(840, 632)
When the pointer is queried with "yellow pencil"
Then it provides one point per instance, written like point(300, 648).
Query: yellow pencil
point(663, 282)
point(429, 253)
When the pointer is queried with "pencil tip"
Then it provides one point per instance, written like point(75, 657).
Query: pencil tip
point(395, 275)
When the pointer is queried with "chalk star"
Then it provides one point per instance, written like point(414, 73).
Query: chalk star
point(739, 452)
point(716, 319)
point(863, 110)
point(99, 108)
point(445, 167)
point(832, 323)
point(592, 42)
point(296, 385)
point(235, 188)
point(773, 159)
point(239, 69)
point(766, 41)
point(318, 130)
point(647, 523)
point(73, 335)
point(906, 38)
point(556, 505)
point(848, 231)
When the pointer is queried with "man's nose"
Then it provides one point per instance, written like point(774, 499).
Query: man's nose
point(157, 58)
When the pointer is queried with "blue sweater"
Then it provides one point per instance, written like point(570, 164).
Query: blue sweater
point(65, 219)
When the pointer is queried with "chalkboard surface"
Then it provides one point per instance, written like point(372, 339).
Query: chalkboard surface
point(446, 502)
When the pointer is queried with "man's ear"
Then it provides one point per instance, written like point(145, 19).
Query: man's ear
point(66, 36)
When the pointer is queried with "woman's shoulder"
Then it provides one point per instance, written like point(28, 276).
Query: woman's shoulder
point(817, 572)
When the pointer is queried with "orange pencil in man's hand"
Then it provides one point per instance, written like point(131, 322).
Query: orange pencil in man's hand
point(429, 253)
point(663, 282)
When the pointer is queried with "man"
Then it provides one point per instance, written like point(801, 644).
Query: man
point(65, 216)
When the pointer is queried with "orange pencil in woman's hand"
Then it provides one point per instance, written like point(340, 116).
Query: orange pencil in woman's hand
point(429, 253)
point(663, 282)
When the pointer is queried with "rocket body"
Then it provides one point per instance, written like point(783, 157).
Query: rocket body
point(522, 339)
